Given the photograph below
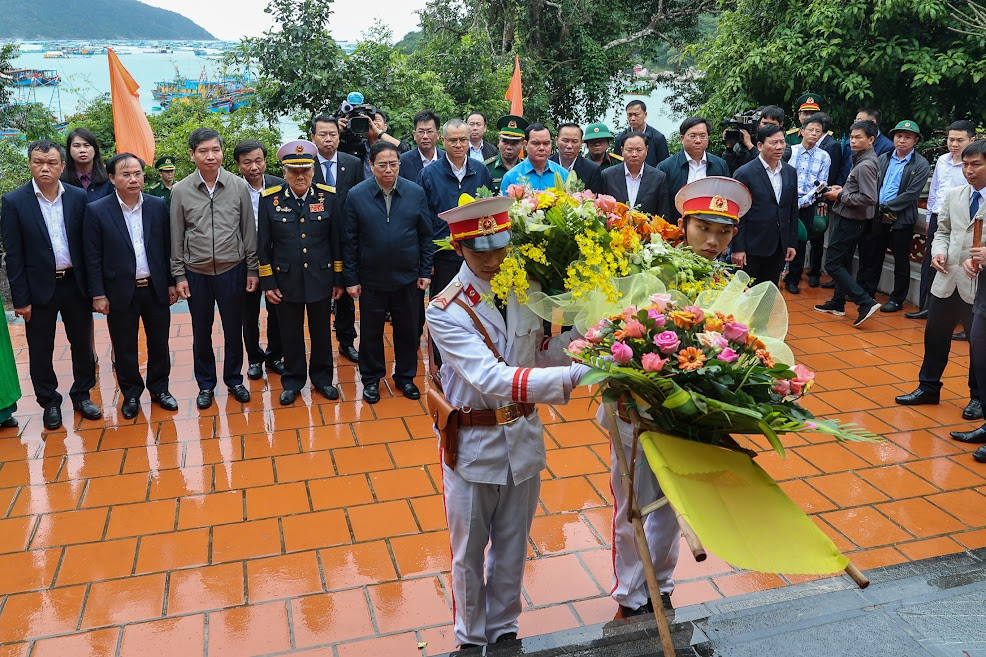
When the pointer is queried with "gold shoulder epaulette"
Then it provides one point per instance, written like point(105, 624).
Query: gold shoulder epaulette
point(792, 131)
point(618, 157)
point(272, 190)
point(445, 297)
point(328, 188)
point(490, 160)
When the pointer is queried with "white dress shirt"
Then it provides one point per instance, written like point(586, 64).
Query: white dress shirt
point(255, 200)
point(697, 169)
point(134, 218)
point(633, 184)
point(458, 173)
point(211, 190)
point(55, 222)
point(947, 174)
point(775, 177)
point(426, 161)
point(329, 165)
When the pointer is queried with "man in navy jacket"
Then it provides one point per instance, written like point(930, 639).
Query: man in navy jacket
point(128, 252)
point(693, 162)
point(427, 153)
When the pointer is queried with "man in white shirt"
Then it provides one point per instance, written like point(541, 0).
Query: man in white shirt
point(947, 174)
point(479, 149)
point(426, 126)
point(813, 164)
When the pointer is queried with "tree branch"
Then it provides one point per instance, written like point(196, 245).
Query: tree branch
point(660, 16)
point(972, 23)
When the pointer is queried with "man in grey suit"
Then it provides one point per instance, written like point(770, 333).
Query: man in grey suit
point(637, 183)
point(342, 171)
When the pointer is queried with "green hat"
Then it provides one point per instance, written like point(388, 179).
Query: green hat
point(809, 101)
point(166, 163)
point(511, 127)
point(597, 131)
point(907, 125)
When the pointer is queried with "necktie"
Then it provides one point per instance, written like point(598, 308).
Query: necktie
point(974, 206)
point(330, 180)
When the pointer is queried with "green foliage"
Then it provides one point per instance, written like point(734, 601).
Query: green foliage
point(8, 52)
point(33, 119)
point(96, 116)
point(96, 19)
point(13, 165)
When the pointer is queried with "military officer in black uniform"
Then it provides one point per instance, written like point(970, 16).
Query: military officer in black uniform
point(165, 166)
point(597, 141)
point(300, 224)
point(510, 145)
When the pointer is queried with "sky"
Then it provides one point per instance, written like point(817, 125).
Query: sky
point(232, 19)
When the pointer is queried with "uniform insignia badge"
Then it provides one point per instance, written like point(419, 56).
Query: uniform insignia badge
point(487, 225)
point(512, 124)
point(276, 203)
point(316, 207)
point(809, 101)
point(472, 295)
point(595, 129)
point(299, 149)
point(718, 203)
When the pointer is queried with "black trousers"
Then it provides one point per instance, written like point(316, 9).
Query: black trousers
point(345, 321)
point(766, 268)
point(943, 316)
point(291, 316)
point(977, 348)
point(124, 323)
point(846, 235)
point(76, 311)
point(403, 304)
point(446, 268)
point(228, 291)
point(807, 217)
point(927, 273)
point(873, 252)
point(251, 330)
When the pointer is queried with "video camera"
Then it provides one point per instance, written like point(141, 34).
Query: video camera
point(357, 113)
point(748, 121)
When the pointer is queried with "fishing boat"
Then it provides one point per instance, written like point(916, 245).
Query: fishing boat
point(33, 77)
point(224, 94)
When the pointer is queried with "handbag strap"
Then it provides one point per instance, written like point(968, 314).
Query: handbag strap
point(479, 325)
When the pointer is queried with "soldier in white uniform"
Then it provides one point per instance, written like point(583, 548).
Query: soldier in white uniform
point(492, 493)
point(710, 209)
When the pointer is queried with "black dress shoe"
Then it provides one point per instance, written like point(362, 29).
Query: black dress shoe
point(130, 408)
point(792, 288)
point(204, 400)
point(165, 401)
point(276, 366)
point(349, 352)
point(960, 337)
point(255, 371)
point(371, 393)
point(52, 417)
point(974, 436)
point(88, 410)
point(240, 393)
point(506, 638)
point(410, 390)
point(918, 314)
point(973, 410)
point(288, 397)
point(919, 396)
point(9, 423)
point(329, 392)
point(891, 307)
point(828, 285)
point(813, 281)
point(980, 455)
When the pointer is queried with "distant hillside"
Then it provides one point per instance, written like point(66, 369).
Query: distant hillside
point(93, 19)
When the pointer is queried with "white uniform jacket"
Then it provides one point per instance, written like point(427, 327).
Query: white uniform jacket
point(953, 239)
point(472, 376)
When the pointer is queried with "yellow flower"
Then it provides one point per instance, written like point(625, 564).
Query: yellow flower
point(713, 324)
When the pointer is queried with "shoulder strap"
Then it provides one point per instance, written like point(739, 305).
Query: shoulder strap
point(479, 325)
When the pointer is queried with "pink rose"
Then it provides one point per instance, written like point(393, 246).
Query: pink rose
point(709, 339)
point(516, 191)
point(660, 301)
point(593, 336)
point(667, 341)
point(634, 329)
point(653, 362)
point(728, 355)
point(605, 203)
point(629, 313)
point(782, 387)
point(655, 314)
point(721, 342)
point(695, 310)
point(802, 379)
point(622, 353)
point(735, 332)
point(602, 324)
point(577, 346)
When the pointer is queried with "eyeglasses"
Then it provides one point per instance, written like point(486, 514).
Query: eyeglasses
point(386, 165)
point(697, 137)
point(633, 151)
point(455, 140)
point(424, 133)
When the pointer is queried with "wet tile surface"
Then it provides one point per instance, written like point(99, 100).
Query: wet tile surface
point(319, 530)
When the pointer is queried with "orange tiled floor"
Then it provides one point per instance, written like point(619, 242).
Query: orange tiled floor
point(319, 529)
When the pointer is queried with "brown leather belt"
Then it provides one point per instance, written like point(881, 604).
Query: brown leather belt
point(143, 282)
point(62, 273)
point(470, 417)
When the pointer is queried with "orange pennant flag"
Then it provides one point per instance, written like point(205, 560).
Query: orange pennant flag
point(514, 92)
point(133, 132)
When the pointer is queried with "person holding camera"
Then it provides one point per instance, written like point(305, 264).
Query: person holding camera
point(813, 165)
point(362, 125)
point(739, 131)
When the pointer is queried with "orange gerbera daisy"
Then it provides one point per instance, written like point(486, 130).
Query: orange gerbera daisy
point(714, 323)
point(764, 357)
point(691, 358)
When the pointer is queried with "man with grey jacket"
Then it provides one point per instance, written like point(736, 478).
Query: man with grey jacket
point(214, 260)
point(853, 208)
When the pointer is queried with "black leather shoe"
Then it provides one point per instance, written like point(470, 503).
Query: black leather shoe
point(88, 410)
point(506, 638)
point(255, 371)
point(349, 352)
point(371, 393)
point(410, 390)
point(165, 401)
point(240, 393)
point(52, 417)
point(919, 396)
point(973, 410)
point(288, 397)
point(980, 455)
point(627, 612)
point(792, 288)
point(130, 408)
point(828, 285)
point(974, 436)
point(329, 392)
point(813, 281)
point(204, 400)
point(9, 423)
point(960, 337)
point(276, 366)
point(918, 314)
point(891, 307)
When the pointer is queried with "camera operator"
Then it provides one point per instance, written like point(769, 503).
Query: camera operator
point(362, 125)
point(742, 150)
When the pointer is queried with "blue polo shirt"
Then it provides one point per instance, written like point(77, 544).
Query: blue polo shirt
point(891, 182)
point(524, 174)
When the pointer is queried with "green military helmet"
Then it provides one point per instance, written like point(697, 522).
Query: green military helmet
point(165, 163)
point(597, 131)
point(906, 125)
point(512, 127)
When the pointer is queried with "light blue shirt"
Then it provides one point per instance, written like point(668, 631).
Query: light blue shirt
point(891, 182)
point(524, 174)
point(477, 153)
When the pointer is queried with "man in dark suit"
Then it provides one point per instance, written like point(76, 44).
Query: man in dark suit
point(128, 251)
point(637, 122)
point(479, 148)
point(693, 162)
point(569, 155)
point(426, 124)
point(637, 183)
point(300, 267)
point(768, 234)
point(41, 228)
point(342, 171)
point(251, 161)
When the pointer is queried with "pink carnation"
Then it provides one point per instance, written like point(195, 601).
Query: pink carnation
point(667, 341)
point(782, 387)
point(577, 346)
point(622, 353)
point(516, 191)
point(728, 355)
point(629, 313)
point(721, 342)
point(653, 362)
point(605, 203)
point(634, 329)
point(655, 314)
point(660, 301)
point(735, 332)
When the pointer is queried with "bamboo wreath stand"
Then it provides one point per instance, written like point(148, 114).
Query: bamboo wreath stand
point(636, 517)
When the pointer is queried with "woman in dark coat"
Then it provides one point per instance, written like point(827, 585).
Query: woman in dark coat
point(84, 165)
